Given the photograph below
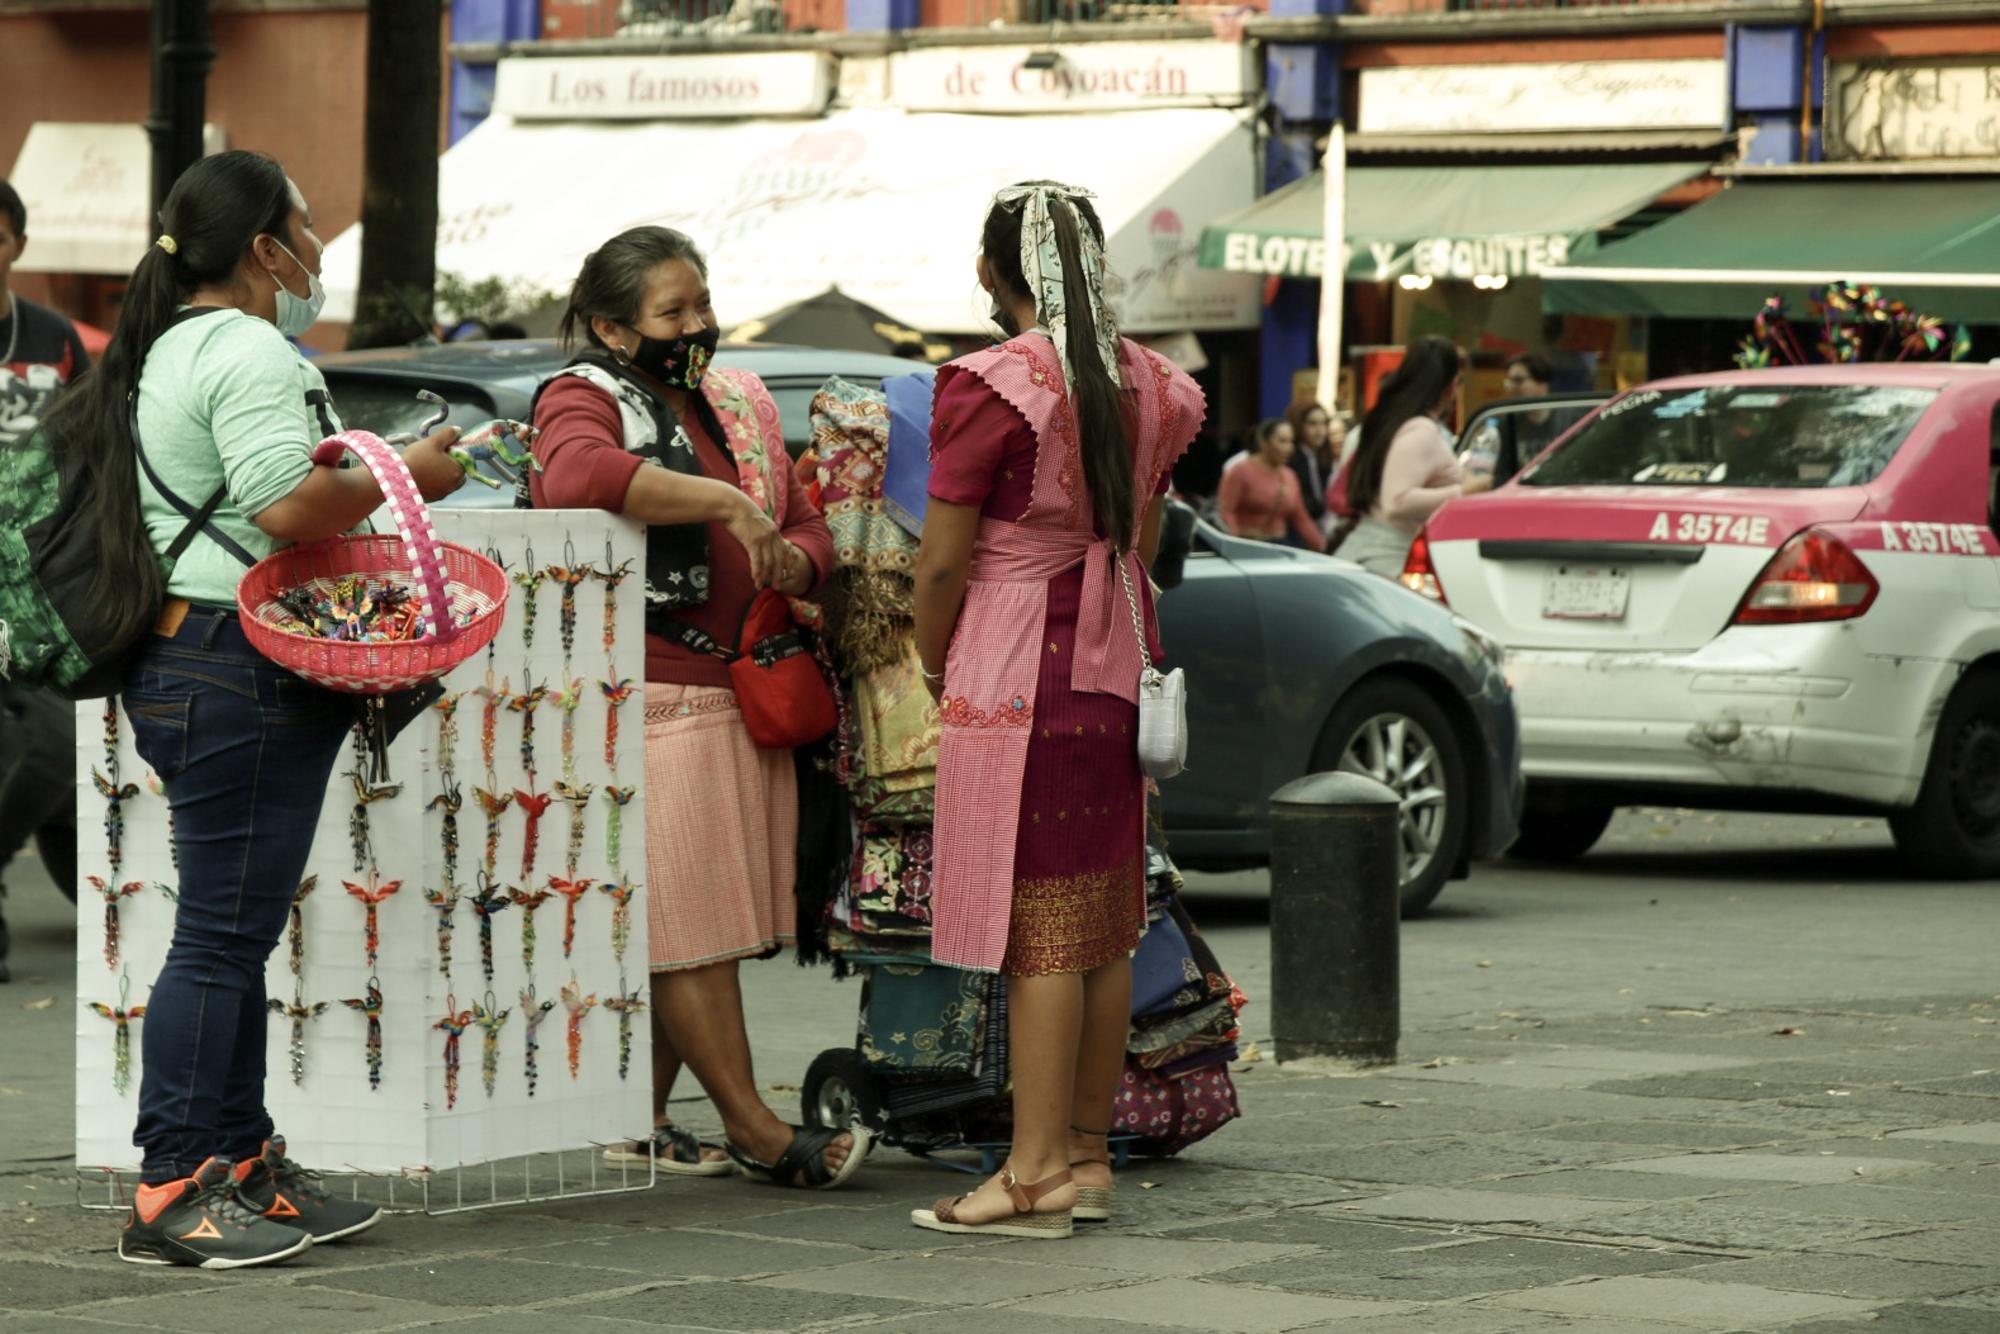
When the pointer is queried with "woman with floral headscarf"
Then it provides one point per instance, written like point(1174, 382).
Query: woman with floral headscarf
point(1050, 457)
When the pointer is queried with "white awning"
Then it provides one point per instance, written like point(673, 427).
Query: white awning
point(88, 191)
point(886, 204)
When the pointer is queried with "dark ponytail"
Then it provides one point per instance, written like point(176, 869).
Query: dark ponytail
point(1429, 366)
point(215, 210)
point(1100, 417)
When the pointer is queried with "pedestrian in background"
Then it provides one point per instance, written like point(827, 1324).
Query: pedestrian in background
point(1523, 435)
point(1262, 499)
point(40, 352)
point(1404, 469)
point(1315, 455)
point(199, 391)
point(641, 424)
point(1051, 456)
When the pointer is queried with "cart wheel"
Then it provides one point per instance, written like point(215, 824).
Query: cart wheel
point(840, 1090)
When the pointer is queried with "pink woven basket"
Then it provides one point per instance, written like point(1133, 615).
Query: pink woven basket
point(464, 594)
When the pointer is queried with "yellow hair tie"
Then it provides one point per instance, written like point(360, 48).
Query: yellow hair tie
point(168, 244)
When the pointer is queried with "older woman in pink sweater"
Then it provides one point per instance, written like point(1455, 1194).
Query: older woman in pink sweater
point(1260, 497)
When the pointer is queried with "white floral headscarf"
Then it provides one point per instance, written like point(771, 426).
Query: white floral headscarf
point(1042, 267)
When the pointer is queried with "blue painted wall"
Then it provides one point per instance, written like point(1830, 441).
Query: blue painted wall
point(484, 21)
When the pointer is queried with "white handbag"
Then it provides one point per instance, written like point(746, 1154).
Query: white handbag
point(1162, 701)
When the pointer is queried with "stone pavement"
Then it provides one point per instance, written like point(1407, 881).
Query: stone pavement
point(1544, 1160)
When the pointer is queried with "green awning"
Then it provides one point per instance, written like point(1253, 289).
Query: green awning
point(1933, 244)
point(1448, 222)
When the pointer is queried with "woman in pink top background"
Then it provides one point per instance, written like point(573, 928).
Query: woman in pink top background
point(1260, 497)
point(1405, 469)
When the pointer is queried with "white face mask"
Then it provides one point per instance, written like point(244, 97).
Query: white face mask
point(296, 314)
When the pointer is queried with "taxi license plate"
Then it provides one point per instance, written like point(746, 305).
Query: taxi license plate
point(1575, 593)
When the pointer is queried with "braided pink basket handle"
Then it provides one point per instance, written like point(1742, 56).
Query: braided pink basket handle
point(413, 521)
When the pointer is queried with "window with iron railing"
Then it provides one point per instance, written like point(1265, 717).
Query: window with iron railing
point(581, 20)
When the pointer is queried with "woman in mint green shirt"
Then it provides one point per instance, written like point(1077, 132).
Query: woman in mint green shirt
point(223, 404)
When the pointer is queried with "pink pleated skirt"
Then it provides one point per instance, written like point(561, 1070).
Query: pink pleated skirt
point(722, 819)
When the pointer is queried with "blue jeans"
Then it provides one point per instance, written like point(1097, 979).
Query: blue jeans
point(246, 750)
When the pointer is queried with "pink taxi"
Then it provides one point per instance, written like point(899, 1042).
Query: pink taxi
point(1765, 590)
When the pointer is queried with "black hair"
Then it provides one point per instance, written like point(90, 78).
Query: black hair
point(217, 208)
point(1100, 417)
point(1430, 364)
point(16, 211)
point(1265, 430)
point(612, 281)
point(1538, 367)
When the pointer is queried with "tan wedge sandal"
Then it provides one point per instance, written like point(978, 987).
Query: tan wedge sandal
point(1093, 1203)
point(1023, 1222)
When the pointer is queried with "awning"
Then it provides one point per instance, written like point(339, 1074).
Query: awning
point(886, 204)
point(1933, 244)
point(1454, 222)
point(88, 190)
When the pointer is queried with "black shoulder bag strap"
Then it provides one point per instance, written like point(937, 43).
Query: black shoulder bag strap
point(198, 520)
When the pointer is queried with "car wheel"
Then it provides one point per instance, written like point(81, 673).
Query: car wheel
point(841, 1092)
point(1394, 732)
point(1954, 829)
point(1559, 833)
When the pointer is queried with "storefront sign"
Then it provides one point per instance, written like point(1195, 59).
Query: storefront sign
point(1462, 258)
point(1879, 112)
point(1577, 95)
point(1083, 76)
point(1466, 258)
point(793, 83)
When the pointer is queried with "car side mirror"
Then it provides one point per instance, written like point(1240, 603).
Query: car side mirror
point(1176, 540)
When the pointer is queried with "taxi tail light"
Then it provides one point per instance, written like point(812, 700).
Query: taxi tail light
point(1814, 577)
point(1419, 575)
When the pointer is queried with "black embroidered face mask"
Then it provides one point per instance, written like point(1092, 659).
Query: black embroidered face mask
point(677, 363)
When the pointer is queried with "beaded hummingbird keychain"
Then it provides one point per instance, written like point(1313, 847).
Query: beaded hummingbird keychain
point(492, 697)
point(490, 1021)
point(453, 1026)
point(578, 801)
point(298, 1012)
point(529, 577)
point(621, 894)
point(567, 700)
point(446, 706)
point(625, 1004)
point(445, 904)
point(569, 574)
point(121, 1038)
point(614, 821)
point(371, 1006)
point(532, 1014)
point(372, 895)
point(578, 1005)
point(525, 704)
point(571, 890)
point(451, 800)
point(365, 795)
point(528, 903)
point(534, 805)
point(295, 928)
point(487, 904)
point(114, 792)
point(611, 576)
point(112, 894)
point(615, 694)
point(494, 807)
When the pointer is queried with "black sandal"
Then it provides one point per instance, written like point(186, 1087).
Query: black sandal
point(673, 1150)
point(803, 1163)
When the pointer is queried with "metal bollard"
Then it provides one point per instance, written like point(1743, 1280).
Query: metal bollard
point(1336, 873)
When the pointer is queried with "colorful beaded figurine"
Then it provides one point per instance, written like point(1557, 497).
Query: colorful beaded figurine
point(567, 700)
point(534, 805)
point(615, 694)
point(445, 903)
point(365, 795)
point(296, 926)
point(578, 801)
point(298, 1012)
point(614, 822)
point(621, 916)
point(115, 795)
point(490, 1020)
point(121, 1038)
point(371, 1006)
point(611, 576)
point(453, 1026)
point(446, 706)
point(372, 896)
point(450, 801)
point(532, 1014)
point(529, 577)
point(525, 704)
point(569, 574)
point(578, 1005)
point(485, 906)
point(528, 903)
point(489, 716)
point(113, 893)
point(494, 807)
point(571, 890)
point(625, 1005)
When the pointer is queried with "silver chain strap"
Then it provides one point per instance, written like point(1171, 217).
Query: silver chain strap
point(1132, 601)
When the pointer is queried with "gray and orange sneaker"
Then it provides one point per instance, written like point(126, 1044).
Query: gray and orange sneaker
point(284, 1192)
point(200, 1221)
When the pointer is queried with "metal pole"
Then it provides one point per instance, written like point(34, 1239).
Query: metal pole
point(1336, 864)
point(182, 54)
